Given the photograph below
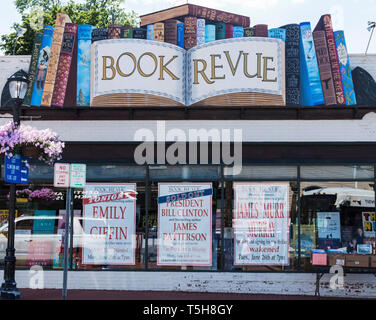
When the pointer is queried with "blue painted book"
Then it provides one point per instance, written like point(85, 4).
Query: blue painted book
point(43, 61)
point(209, 32)
point(83, 64)
point(310, 84)
point(180, 27)
point(200, 31)
point(150, 32)
point(238, 32)
point(277, 33)
point(344, 66)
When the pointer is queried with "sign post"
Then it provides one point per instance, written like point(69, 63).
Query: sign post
point(68, 176)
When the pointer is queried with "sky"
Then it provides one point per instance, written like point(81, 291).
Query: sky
point(352, 16)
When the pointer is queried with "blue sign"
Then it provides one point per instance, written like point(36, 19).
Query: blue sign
point(16, 169)
point(185, 196)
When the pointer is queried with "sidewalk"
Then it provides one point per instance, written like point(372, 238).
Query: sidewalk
point(55, 294)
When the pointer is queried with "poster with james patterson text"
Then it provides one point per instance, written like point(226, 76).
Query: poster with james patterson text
point(109, 224)
point(261, 224)
point(185, 224)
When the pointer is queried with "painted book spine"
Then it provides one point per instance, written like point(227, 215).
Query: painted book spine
point(220, 31)
point(229, 31)
point(277, 33)
point(139, 33)
point(33, 67)
point(180, 28)
point(171, 32)
point(126, 32)
point(328, 27)
point(209, 32)
point(190, 32)
point(345, 69)
point(261, 30)
point(71, 91)
point(150, 32)
point(238, 32)
point(200, 31)
point(311, 90)
point(249, 32)
point(65, 62)
point(43, 62)
point(114, 31)
point(99, 34)
point(57, 42)
point(159, 31)
point(83, 64)
point(325, 68)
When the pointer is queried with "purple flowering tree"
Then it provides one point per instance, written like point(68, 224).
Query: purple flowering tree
point(44, 194)
point(46, 143)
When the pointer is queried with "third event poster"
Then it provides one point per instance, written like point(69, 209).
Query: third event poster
point(261, 224)
point(185, 224)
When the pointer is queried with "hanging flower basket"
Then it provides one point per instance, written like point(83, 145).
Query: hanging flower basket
point(30, 142)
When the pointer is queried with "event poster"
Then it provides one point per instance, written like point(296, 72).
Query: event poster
point(261, 224)
point(369, 224)
point(307, 239)
point(109, 224)
point(329, 230)
point(184, 224)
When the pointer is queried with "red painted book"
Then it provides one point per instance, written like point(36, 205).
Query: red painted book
point(229, 31)
point(190, 32)
point(325, 67)
point(171, 31)
point(261, 30)
point(71, 93)
point(65, 62)
point(325, 24)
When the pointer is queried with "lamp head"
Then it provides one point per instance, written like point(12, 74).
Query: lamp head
point(18, 85)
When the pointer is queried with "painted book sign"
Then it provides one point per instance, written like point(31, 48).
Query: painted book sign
point(261, 224)
point(369, 224)
point(329, 230)
point(124, 68)
point(185, 224)
point(109, 224)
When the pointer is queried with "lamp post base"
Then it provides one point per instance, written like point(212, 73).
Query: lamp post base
point(9, 291)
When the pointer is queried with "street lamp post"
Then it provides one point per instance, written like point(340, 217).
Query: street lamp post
point(17, 87)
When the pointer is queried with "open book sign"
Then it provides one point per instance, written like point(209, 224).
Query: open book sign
point(184, 77)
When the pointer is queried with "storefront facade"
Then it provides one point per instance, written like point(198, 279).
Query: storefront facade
point(301, 166)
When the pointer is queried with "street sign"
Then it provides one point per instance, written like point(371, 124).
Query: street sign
point(61, 175)
point(77, 175)
point(16, 169)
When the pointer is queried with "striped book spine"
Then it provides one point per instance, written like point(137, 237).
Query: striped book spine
point(83, 64)
point(310, 84)
point(238, 32)
point(229, 31)
point(69, 40)
point(200, 31)
point(209, 32)
point(139, 33)
point(344, 66)
point(150, 32)
point(43, 61)
point(38, 37)
point(220, 30)
point(99, 34)
point(277, 33)
point(180, 30)
point(57, 42)
point(249, 32)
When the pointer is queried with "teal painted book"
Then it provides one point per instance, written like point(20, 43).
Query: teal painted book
point(344, 66)
point(220, 30)
point(238, 32)
point(43, 61)
point(310, 84)
point(83, 64)
point(209, 32)
point(277, 33)
point(38, 37)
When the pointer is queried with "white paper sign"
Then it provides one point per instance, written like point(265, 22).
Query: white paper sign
point(61, 175)
point(184, 224)
point(261, 224)
point(77, 175)
point(109, 226)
